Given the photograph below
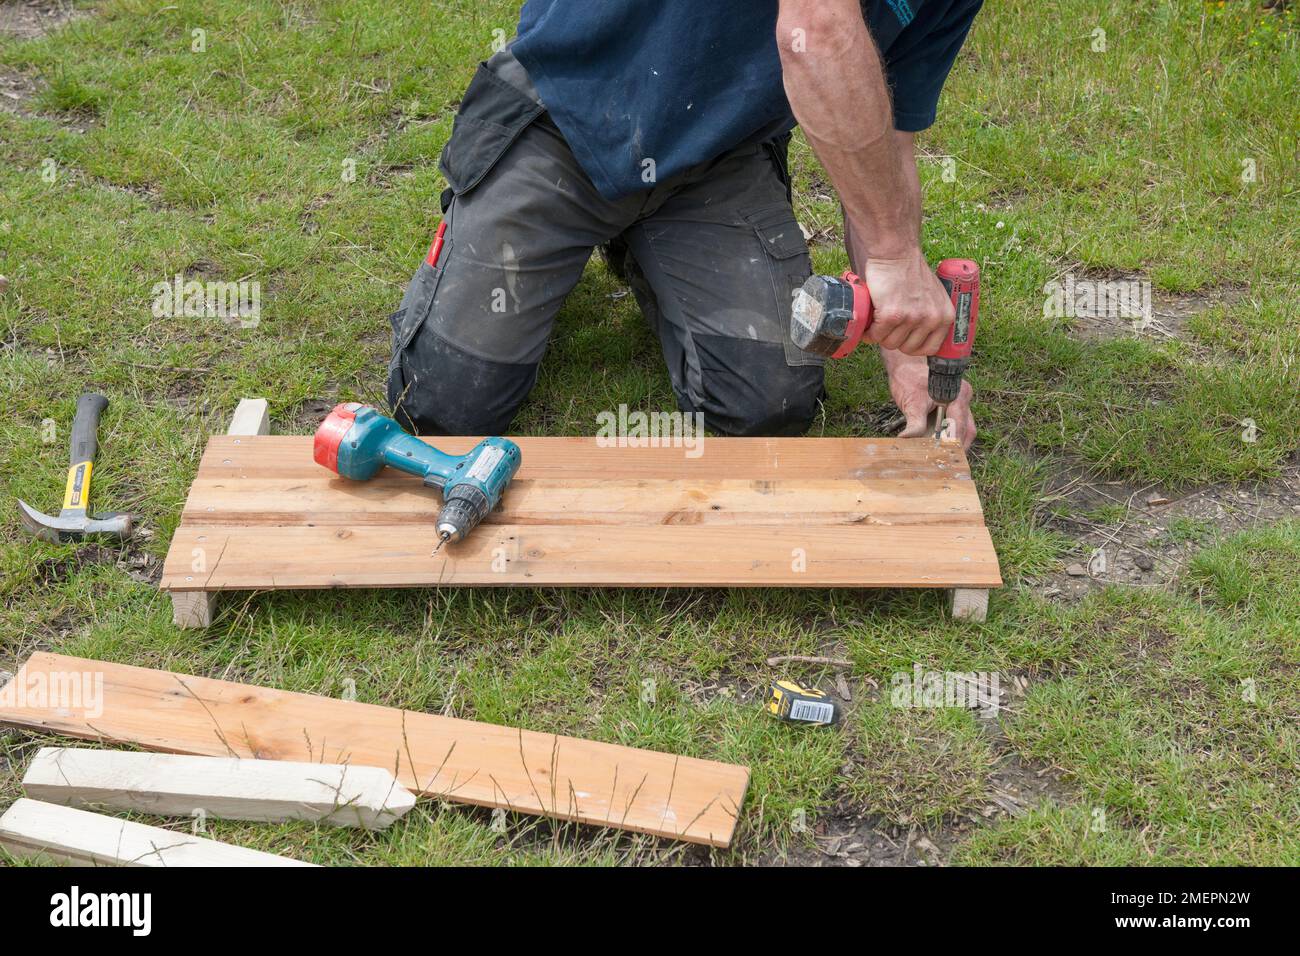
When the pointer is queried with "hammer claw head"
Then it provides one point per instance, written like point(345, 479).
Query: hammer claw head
point(65, 528)
point(38, 523)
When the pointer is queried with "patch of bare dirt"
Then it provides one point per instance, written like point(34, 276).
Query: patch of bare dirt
point(138, 565)
point(845, 837)
point(29, 19)
point(1111, 305)
point(146, 192)
point(307, 217)
point(308, 418)
point(848, 836)
point(1007, 199)
point(16, 89)
point(1153, 533)
point(842, 839)
point(50, 571)
point(389, 175)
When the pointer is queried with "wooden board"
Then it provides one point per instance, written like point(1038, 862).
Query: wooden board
point(227, 788)
point(460, 760)
point(789, 512)
point(31, 829)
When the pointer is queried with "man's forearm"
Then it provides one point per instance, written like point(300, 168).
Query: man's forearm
point(835, 82)
point(910, 178)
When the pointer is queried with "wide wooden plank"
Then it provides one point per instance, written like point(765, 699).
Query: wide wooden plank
point(290, 456)
point(227, 788)
point(392, 498)
point(760, 512)
point(43, 831)
point(497, 555)
point(466, 761)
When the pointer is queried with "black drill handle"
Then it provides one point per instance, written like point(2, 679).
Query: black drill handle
point(84, 427)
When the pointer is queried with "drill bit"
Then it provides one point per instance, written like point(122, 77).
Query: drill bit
point(442, 539)
point(943, 418)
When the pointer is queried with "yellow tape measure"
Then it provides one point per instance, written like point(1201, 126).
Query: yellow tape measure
point(788, 701)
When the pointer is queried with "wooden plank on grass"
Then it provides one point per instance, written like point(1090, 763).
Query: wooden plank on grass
point(395, 499)
point(290, 456)
point(31, 829)
point(745, 513)
point(581, 555)
point(461, 760)
point(222, 787)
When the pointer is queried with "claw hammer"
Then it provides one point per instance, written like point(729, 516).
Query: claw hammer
point(75, 521)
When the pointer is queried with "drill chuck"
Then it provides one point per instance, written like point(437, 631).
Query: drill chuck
point(945, 378)
point(462, 509)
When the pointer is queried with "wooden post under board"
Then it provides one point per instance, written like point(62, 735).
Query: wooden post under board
point(195, 608)
point(970, 604)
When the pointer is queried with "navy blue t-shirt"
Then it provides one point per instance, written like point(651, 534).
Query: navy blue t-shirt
point(680, 82)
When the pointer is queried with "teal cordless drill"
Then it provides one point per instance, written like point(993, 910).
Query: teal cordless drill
point(355, 441)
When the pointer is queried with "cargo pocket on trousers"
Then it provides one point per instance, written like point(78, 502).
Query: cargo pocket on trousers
point(492, 115)
point(790, 265)
point(417, 303)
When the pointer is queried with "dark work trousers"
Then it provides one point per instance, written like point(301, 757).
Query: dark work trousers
point(713, 255)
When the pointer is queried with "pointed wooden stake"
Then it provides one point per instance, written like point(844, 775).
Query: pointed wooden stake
point(220, 787)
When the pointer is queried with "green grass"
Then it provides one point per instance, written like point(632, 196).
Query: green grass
point(919, 765)
point(1175, 719)
point(1167, 718)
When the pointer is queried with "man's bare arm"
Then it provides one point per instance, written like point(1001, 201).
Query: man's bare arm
point(835, 82)
point(909, 180)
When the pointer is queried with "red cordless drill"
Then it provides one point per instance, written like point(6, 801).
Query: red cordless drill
point(831, 315)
